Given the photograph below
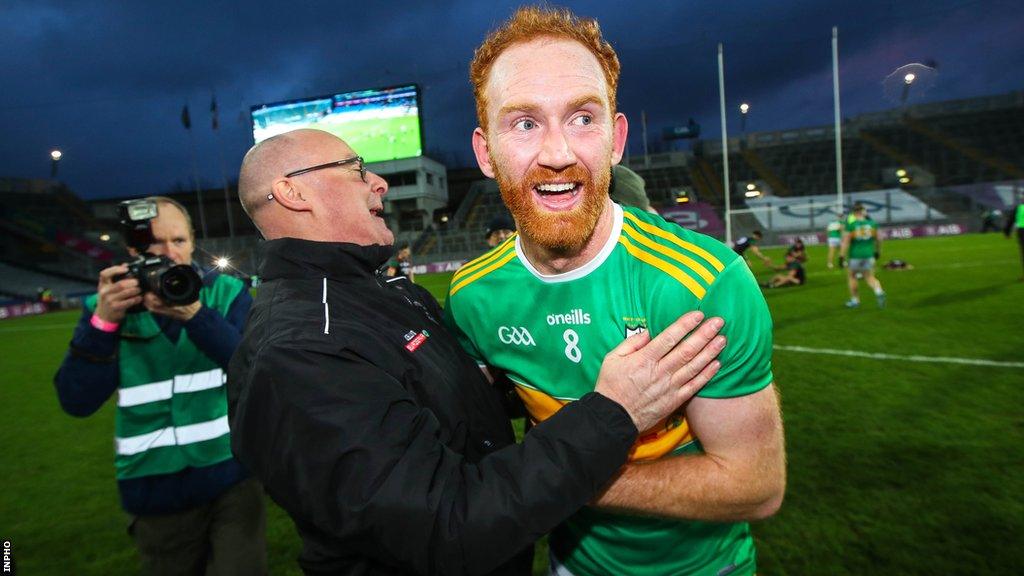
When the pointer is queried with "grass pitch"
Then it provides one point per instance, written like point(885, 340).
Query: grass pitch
point(895, 466)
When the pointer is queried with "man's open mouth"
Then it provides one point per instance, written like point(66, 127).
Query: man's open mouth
point(558, 195)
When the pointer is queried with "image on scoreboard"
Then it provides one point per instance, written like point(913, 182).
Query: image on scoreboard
point(380, 123)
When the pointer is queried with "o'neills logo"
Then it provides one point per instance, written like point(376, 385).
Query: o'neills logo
point(575, 316)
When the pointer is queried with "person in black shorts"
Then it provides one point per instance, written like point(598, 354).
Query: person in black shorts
point(793, 275)
point(746, 243)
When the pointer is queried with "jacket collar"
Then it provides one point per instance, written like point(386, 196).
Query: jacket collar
point(295, 258)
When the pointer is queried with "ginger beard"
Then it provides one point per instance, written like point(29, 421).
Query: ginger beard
point(564, 232)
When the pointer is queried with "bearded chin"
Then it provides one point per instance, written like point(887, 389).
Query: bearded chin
point(566, 232)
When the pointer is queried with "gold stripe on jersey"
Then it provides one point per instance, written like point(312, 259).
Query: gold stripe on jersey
point(715, 262)
point(665, 267)
point(483, 260)
point(667, 435)
point(670, 434)
point(683, 259)
point(508, 256)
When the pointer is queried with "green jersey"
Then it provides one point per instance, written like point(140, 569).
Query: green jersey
point(834, 229)
point(550, 333)
point(862, 237)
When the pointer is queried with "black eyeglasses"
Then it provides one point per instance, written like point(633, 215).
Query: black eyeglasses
point(357, 159)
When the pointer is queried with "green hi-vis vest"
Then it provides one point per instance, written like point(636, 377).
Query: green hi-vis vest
point(172, 410)
point(1020, 216)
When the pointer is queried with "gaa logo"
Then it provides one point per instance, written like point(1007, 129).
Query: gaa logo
point(515, 335)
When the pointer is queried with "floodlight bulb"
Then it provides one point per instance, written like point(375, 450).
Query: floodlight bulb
point(223, 262)
point(901, 172)
point(105, 237)
point(909, 78)
point(744, 108)
point(904, 180)
point(56, 155)
point(751, 186)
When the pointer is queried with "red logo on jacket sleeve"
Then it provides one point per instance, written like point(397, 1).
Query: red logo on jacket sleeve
point(417, 341)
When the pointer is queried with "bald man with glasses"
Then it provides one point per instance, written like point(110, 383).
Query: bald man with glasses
point(367, 422)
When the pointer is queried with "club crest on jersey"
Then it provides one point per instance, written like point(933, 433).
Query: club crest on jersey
point(634, 327)
point(516, 335)
point(416, 340)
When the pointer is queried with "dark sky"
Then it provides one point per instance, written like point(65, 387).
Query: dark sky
point(105, 81)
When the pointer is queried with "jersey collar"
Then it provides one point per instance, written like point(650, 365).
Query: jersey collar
point(587, 268)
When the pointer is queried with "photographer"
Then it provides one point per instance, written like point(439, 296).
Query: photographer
point(162, 337)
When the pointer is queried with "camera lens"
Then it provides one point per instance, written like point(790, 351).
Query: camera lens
point(180, 285)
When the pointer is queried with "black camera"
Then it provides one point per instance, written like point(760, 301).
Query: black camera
point(175, 284)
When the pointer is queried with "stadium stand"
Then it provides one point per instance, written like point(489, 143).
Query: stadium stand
point(24, 283)
point(45, 227)
point(940, 144)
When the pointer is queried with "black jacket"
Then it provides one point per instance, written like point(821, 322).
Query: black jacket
point(382, 440)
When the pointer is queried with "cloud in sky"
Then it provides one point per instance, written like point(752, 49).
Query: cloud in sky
point(105, 82)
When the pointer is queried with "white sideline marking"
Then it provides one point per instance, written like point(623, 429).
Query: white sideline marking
point(915, 358)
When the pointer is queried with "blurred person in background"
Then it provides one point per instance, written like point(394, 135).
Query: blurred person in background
point(834, 237)
point(798, 251)
point(1015, 218)
point(499, 229)
point(861, 248)
point(989, 219)
point(193, 509)
point(749, 243)
point(629, 189)
point(794, 274)
point(401, 264)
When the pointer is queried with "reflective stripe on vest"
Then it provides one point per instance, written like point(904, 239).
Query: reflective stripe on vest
point(181, 384)
point(173, 436)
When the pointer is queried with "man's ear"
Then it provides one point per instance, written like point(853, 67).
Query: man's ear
point(480, 149)
point(287, 194)
point(620, 129)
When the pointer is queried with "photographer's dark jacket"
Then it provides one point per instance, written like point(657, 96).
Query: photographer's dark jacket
point(172, 447)
point(368, 424)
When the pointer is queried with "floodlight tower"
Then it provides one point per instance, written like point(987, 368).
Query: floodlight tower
point(55, 156)
point(907, 81)
point(744, 108)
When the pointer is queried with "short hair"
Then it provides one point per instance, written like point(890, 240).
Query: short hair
point(757, 233)
point(529, 23)
point(181, 208)
point(858, 207)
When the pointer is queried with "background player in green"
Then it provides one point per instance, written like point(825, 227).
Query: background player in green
point(583, 273)
point(834, 232)
point(1016, 218)
point(862, 246)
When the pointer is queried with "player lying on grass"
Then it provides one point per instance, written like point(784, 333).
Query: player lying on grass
point(794, 274)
